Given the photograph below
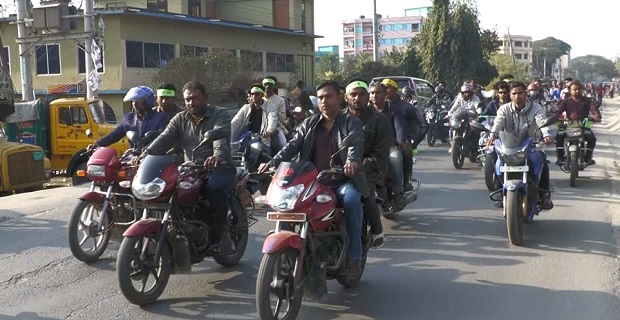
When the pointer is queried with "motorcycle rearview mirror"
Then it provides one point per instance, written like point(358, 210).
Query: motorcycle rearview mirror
point(209, 136)
point(151, 135)
point(132, 136)
point(350, 140)
point(89, 133)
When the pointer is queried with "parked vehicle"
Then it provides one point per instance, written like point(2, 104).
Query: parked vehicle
point(108, 207)
point(423, 89)
point(175, 230)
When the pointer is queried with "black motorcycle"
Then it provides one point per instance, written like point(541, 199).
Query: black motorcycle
point(464, 144)
point(575, 148)
point(438, 126)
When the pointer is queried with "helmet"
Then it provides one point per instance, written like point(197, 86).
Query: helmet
point(467, 87)
point(407, 90)
point(439, 88)
point(141, 93)
point(533, 86)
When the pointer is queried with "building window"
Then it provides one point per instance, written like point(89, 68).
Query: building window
point(398, 27)
point(348, 44)
point(525, 56)
point(148, 55)
point(277, 62)
point(303, 15)
point(82, 59)
point(253, 59)
point(518, 55)
point(193, 51)
point(7, 56)
point(157, 5)
point(518, 43)
point(387, 27)
point(415, 27)
point(358, 29)
point(48, 59)
point(347, 30)
point(367, 29)
point(193, 8)
point(399, 41)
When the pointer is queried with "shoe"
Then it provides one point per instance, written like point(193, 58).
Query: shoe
point(590, 162)
point(547, 204)
point(377, 240)
point(226, 244)
point(559, 162)
point(499, 204)
point(408, 187)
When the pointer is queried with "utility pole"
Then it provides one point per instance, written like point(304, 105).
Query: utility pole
point(375, 31)
point(88, 44)
point(24, 52)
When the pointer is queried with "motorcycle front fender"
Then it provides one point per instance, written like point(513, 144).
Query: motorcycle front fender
point(573, 148)
point(514, 185)
point(94, 197)
point(279, 241)
point(146, 227)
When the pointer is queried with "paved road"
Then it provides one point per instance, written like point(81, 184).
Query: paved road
point(447, 257)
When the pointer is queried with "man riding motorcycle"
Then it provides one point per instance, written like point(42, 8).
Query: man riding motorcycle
point(577, 108)
point(188, 128)
point(440, 95)
point(317, 139)
point(502, 96)
point(377, 142)
point(522, 112)
point(535, 95)
point(467, 101)
point(142, 119)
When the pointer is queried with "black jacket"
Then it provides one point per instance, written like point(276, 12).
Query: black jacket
point(303, 143)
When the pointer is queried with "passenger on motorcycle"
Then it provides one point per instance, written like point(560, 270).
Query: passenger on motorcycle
point(578, 108)
point(271, 96)
point(317, 139)
point(165, 100)
point(377, 141)
point(535, 95)
point(467, 101)
point(188, 128)
point(522, 112)
point(406, 122)
point(142, 119)
point(502, 96)
point(419, 132)
point(260, 116)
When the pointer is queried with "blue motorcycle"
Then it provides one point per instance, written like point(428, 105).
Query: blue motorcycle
point(519, 166)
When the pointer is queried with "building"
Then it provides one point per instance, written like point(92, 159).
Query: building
point(322, 50)
point(140, 37)
point(521, 47)
point(357, 34)
point(419, 12)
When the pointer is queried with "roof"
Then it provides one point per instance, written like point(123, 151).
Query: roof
point(202, 20)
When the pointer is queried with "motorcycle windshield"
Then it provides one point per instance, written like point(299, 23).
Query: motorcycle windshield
point(152, 166)
point(512, 142)
point(288, 172)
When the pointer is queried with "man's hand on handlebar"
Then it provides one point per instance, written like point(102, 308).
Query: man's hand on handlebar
point(92, 146)
point(490, 140)
point(263, 167)
point(350, 168)
point(548, 139)
point(212, 162)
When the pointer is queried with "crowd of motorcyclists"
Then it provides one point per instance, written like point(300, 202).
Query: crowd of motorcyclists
point(390, 125)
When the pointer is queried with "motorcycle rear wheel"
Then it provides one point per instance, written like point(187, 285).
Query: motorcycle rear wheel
point(132, 265)
point(75, 222)
point(490, 177)
point(285, 289)
point(238, 221)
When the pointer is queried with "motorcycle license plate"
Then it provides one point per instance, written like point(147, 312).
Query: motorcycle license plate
point(286, 216)
point(514, 169)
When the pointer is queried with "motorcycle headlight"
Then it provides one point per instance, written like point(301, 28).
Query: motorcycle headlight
point(284, 200)
point(574, 132)
point(456, 124)
point(514, 159)
point(95, 170)
point(148, 191)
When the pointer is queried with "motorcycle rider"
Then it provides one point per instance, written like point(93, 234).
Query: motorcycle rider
point(521, 111)
point(188, 128)
point(578, 108)
point(467, 101)
point(502, 96)
point(260, 115)
point(535, 95)
point(141, 119)
point(316, 140)
point(165, 100)
point(378, 92)
point(444, 85)
point(440, 95)
point(405, 122)
point(271, 96)
point(377, 142)
point(409, 95)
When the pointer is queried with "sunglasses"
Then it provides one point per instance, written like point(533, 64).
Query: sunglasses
point(502, 92)
point(466, 92)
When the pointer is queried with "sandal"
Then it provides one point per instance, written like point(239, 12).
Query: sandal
point(377, 240)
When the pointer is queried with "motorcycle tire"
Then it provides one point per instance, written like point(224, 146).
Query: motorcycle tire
point(73, 236)
point(344, 279)
point(514, 216)
point(431, 136)
point(238, 222)
point(264, 288)
point(125, 273)
point(457, 153)
point(490, 177)
point(574, 168)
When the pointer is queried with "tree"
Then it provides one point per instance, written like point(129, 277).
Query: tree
point(453, 47)
point(504, 65)
point(224, 76)
point(548, 49)
point(329, 62)
point(593, 68)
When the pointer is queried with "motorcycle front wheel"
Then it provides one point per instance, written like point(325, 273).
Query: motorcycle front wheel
point(275, 278)
point(83, 226)
point(431, 136)
point(457, 153)
point(135, 265)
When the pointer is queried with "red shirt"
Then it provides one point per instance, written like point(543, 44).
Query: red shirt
point(579, 110)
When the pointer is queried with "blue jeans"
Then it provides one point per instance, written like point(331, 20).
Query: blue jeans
point(219, 185)
point(351, 200)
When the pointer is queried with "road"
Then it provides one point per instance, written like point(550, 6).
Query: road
point(447, 257)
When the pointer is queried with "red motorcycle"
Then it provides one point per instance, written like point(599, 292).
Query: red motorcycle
point(108, 208)
point(182, 236)
point(315, 249)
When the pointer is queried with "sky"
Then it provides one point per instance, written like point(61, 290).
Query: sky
point(579, 27)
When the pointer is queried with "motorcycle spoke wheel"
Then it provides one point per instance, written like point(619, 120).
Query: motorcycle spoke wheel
point(87, 238)
point(276, 295)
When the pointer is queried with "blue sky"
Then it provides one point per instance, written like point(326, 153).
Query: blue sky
point(573, 24)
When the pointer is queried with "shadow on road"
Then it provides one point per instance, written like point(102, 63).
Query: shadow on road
point(25, 316)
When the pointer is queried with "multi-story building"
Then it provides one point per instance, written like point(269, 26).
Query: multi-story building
point(323, 50)
point(521, 47)
point(140, 37)
point(357, 34)
point(419, 11)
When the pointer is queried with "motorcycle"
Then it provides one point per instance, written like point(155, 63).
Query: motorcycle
point(316, 247)
point(108, 207)
point(388, 206)
point(487, 155)
point(521, 166)
point(460, 131)
point(175, 230)
point(248, 152)
point(438, 126)
point(575, 148)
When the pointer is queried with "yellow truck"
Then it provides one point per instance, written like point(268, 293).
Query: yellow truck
point(64, 128)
